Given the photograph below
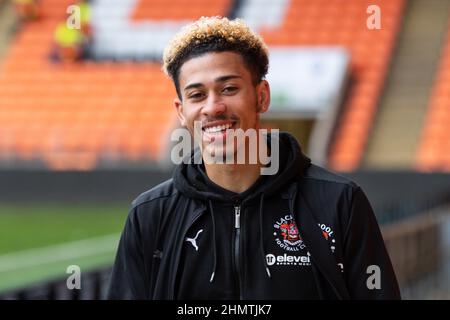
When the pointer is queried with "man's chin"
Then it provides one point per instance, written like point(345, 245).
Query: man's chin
point(219, 155)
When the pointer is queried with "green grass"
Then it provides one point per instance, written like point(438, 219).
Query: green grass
point(25, 227)
point(31, 226)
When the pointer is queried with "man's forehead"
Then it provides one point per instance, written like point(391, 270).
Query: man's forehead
point(212, 66)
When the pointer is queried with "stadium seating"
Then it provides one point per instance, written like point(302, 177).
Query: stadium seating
point(76, 116)
point(339, 22)
point(178, 9)
point(433, 153)
point(140, 30)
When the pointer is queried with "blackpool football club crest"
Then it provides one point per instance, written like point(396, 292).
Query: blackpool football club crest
point(287, 235)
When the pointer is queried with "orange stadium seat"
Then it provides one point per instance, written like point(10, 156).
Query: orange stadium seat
point(433, 153)
point(178, 10)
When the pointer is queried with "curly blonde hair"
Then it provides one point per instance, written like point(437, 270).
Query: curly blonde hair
point(216, 34)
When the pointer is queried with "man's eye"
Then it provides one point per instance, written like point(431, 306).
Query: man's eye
point(196, 96)
point(229, 89)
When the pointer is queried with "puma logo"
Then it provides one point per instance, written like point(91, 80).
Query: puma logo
point(193, 241)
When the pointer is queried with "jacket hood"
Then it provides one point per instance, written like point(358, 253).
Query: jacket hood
point(191, 179)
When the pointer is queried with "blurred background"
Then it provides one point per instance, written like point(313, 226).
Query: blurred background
point(86, 116)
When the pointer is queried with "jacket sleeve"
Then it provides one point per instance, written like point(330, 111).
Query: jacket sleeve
point(367, 267)
point(129, 278)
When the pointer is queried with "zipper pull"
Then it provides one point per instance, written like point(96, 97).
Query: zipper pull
point(237, 217)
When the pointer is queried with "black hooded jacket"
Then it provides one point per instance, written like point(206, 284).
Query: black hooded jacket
point(303, 233)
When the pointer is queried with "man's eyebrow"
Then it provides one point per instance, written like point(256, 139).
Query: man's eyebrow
point(225, 78)
point(219, 79)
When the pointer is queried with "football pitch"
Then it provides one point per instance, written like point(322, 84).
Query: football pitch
point(39, 241)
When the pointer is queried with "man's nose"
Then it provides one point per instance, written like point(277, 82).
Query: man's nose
point(213, 106)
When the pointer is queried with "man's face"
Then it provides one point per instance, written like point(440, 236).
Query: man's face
point(217, 90)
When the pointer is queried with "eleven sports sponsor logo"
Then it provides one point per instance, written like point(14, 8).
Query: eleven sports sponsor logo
point(286, 259)
point(288, 238)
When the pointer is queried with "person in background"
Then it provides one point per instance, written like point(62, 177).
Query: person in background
point(69, 43)
point(85, 17)
point(72, 42)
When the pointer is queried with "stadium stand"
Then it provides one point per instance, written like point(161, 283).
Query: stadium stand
point(77, 116)
point(266, 13)
point(433, 153)
point(333, 22)
point(140, 30)
point(403, 106)
point(177, 9)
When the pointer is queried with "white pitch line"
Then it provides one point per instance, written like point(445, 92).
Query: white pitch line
point(59, 252)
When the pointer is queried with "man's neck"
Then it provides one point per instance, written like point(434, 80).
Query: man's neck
point(234, 177)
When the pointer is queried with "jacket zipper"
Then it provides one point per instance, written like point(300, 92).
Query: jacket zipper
point(237, 235)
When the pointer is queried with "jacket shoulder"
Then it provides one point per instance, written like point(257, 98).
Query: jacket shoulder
point(161, 191)
point(319, 174)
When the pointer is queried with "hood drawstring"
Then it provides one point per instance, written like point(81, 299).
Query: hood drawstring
point(317, 280)
point(261, 234)
point(214, 241)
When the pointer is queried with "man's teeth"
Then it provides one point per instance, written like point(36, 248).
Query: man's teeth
point(217, 128)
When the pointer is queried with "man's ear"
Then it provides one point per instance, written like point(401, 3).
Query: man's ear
point(178, 104)
point(263, 96)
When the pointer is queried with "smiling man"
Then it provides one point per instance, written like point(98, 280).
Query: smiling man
point(224, 230)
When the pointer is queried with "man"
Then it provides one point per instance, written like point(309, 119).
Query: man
point(223, 230)
point(69, 43)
